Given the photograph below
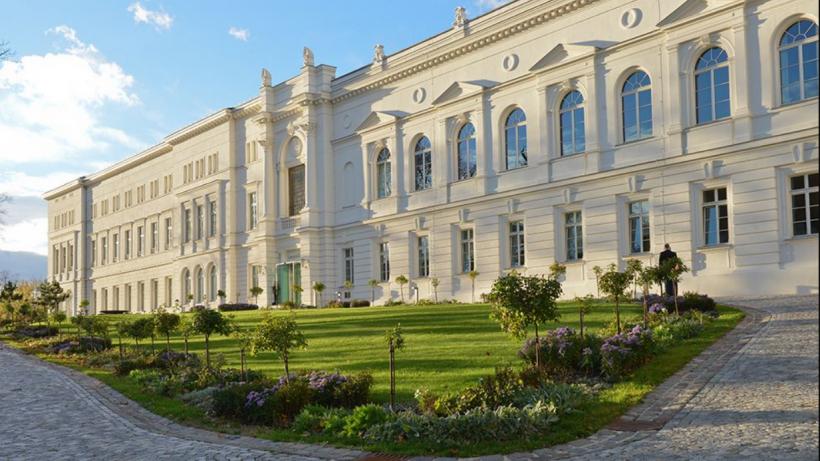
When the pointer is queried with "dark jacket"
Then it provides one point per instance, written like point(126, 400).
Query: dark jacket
point(666, 254)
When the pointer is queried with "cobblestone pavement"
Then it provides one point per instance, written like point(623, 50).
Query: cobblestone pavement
point(53, 413)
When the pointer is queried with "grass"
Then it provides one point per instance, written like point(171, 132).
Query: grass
point(448, 348)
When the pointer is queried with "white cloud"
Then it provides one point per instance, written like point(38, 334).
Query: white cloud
point(25, 236)
point(159, 19)
point(17, 184)
point(486, 5)
point(52, 103)
point(239, 34)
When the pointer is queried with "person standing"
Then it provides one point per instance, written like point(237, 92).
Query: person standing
point(667, 254)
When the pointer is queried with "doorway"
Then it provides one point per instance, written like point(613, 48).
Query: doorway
point(288, 275)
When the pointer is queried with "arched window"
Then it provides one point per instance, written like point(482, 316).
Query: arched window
point(466, 152)
point(213, 284)
point(423, 164)
point(636, 102)
point(200, 285)
point(573, 137)
point(712, 100)
point(383, 173)
point(798, 62)
point(186, 288)
point(515, 139)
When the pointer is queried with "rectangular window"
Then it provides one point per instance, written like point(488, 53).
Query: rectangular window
point(128, 297)
point(255, 276)
point(639, 226)
point(348, 263)
point(127, 244)
point(140, 240)
point(141, 296)
point(424, 256)
point(116, 247)
point(103, 251)
point(116, 297)
point(104, 292)
point(168, 290)
point(93, 246)
point(467, 251)
point(805, 204)
point(574, 236)
point(212, 223)
point(715, 217)
point(186, 231)
point(169, 233)
point(517, 244)
point(296, 190)
point(253, 208)
point(384, 262)
point(154, 237)
point(200, 222)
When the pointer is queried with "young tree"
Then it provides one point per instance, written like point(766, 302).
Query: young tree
point(297, 293)
point(614, 284)
point(221, 295)
point(245, 341)
point(401, 280)
point(25, 312)
point(395, 342)
point(434, 282)
point(646, 278)
point(9, 309)
point(186, 329)
point(520, 302)
point(209, 322)
point(50, 296)
point(190, 299)
point(584, 308)
point(140, 329)
point(318, 288)
point(255, 292)
point(8, 296)
point(165, 324)
point(598, 271)
point(59, 317)
point(557, 270)
point(280, 335)
point(373, 284)
point(94, 326)
point(84, 307)
point(634, 268)
point(673, 269)
point(473, 275)
point(123, 329)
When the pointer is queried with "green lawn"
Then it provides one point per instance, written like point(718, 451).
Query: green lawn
point(447, 347)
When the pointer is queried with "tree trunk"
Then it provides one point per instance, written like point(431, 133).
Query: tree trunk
point(675, 294)
point(618, 314)
point(473, 291)
point(582, 325)
point(186, 345)
point(537, 349)
point(287, 370)
point(120, 338)
point(645, 310)
point(153, 349)
point(435, 295)
point(168, 342)
point(392, 376)
point(242, 364)
point(207, 353)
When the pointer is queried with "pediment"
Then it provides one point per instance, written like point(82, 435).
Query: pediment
point(687, 9)
point(562, 52)
point(459, 89)
point(380, 117)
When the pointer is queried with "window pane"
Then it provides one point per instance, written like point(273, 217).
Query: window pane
point(721, 193)
point(710, 225)
point(709, 196)
point(580, 135)
point(797, 182)
point(814, 180)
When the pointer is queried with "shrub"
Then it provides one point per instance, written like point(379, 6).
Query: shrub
point(564, 353)
point(359, 303)
point(34, 332)
point(237, 307)
point(623, 353)
point(674, 329)
point(490, 392)
point(363, 418)
point(688, 302)
point(82, 345)
point(202, 398)
point(232, 402)
point(475, 426)
point(333, 304)
point(309, 419)
point(391, 303)
point(113, 311)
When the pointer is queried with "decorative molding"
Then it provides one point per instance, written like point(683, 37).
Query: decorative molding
point(307, 57)
point(265, 78)
point(476, 44)
point(460, 20)
point(463, 88)
point(419, 95)
point(712, 169)
point(568, 195)
point(512, 205)
point(510, 62)
point(463, 215)
point(379, 59)
point(189, 132)
point(420, 223)
point(631, 18)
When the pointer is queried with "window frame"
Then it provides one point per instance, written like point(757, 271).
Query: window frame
point(516, 238)
point(422, 256)
point(518, 130)
point(384, 261)
point(384, 173)
point(636, 93)
point(253, 210)
point(577, 232)
point(646, 240)
point(349, 264)
point(716, 203)
point(471, 142)
point(711, 71)
point(779, 48)
point(573, 111)
point(426, 172)
point(806, 191)
point(466, 246)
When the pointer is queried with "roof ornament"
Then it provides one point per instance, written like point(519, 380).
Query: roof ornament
point(265, 77)
point(378, 54)
point(461, 18)
point(307, 56)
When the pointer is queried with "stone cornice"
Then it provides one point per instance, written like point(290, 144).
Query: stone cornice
point(466, 48)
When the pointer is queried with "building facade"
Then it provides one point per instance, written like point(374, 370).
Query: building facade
point(586, 132)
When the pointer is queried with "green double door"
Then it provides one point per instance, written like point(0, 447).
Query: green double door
point(288, 275)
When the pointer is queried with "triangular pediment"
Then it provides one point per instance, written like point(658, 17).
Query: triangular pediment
point(561, 52)
point(459, 89)
point(687, 9)
point(380, 117)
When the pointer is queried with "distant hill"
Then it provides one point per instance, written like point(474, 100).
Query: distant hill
point(22, 265)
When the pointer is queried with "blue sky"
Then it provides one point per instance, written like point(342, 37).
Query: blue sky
point(92, 82)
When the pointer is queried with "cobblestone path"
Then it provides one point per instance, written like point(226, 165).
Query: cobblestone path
point(752, 395)
point(53, 413)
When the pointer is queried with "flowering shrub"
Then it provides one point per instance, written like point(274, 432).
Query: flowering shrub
point(675, 329)
point(623, 353)
point(564, 354)
point(688, 302)
point(657, 308)
point(474, 426)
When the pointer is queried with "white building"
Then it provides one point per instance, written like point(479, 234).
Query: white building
point(582, 131)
